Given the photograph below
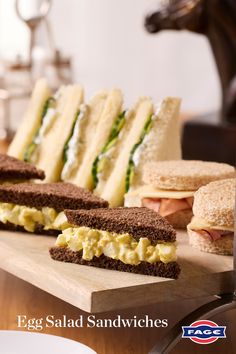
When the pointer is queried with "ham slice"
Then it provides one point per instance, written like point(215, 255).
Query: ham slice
point(152, 203)
point(167, 206)
point(213, 235)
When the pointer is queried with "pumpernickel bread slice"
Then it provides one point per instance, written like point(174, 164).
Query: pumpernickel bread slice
point(138, 222)
point(14, 169)
point(160, 269)
point(59, 196)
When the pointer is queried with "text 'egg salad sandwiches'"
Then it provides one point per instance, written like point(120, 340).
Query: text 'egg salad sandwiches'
point(169, 187)
point(142, 134)
point(89, 134)
point(46, 127)
point(135, 240)
point(39, 207)
point(212, 226)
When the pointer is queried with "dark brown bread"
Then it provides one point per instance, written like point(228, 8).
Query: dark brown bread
point(13, 169)
point(59, 196)
point(38, 229)
point(160, 269)
point(138, 222)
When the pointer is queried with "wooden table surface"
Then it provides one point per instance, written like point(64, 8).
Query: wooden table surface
point(20, 298)
point(99, 290)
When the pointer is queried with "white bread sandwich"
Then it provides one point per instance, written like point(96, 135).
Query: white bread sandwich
point(170, 187)
point(31, 120)
point(153, 135)
point(84, 130)
point(50, 125)
point(119, 140)
point(212, 226)
point(105, 112)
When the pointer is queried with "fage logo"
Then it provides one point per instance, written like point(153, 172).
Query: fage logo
point(204, 332)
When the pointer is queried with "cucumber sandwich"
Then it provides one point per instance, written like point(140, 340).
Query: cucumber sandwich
point(46, 127)
point(104, 162)
point(31, 120)
point(154, 135)
point(82, 134)
point(88, 139)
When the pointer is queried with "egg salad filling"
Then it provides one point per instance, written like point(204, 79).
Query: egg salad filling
point(29, 218)
point(121, 247)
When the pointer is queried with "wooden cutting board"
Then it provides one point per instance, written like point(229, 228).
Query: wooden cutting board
point(98, 290)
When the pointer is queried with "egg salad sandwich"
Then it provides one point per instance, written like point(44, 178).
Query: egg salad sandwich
point(13, 170)
point(153, 135)
point(103, 113)
point(169, 187)
point(212, 226)
point(46, 127)
point(135, 240)
point(39, 207)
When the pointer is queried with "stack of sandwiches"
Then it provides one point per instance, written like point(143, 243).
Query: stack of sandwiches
point(121, 155)
point(212, 226)
point(135, 240)
point(169, 187)
point(99, 145)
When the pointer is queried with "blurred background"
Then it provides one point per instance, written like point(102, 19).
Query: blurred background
point(103, 44)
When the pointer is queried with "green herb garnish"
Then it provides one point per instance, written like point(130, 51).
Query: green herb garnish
point(100, 161)
point(33, 145)
point(66, 146)
point(29, 152)
point(131, 166)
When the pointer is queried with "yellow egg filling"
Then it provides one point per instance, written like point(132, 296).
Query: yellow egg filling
point(28, 217)
point(121, 247)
